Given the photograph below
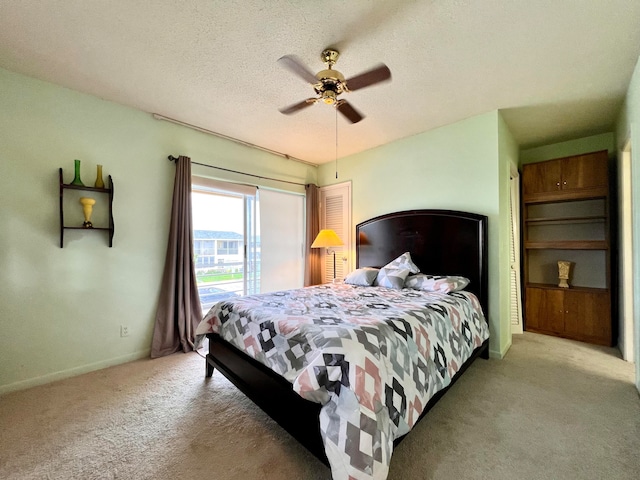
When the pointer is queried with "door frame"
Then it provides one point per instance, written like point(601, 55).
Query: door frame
point(345, 254)
point(515, 265)
point(625, 262)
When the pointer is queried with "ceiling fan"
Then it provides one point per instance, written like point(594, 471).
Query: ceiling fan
point(330, 83)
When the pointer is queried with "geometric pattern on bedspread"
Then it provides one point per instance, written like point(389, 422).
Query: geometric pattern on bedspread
point(372, 356)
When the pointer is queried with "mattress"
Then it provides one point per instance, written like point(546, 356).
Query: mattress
point(372, 356)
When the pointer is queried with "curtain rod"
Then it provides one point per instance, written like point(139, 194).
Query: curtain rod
point(157, 116)
point(175, 159)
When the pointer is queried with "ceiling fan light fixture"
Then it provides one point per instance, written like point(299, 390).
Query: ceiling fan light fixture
point(329, 97)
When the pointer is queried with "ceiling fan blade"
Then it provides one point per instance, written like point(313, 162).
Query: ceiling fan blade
point(298, 106)
point(291, 63)
point(348, 111)
point(370, 77)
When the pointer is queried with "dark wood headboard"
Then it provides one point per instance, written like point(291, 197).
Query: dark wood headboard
point(441, 242)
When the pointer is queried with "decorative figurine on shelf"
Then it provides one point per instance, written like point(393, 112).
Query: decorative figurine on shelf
point(563, 273)
point(76, 178)
point(99, 182)
point(87, 207)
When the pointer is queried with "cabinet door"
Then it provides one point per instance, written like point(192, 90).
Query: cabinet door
point(545, 310)
point(585, 171)
point(588, 315)
point(543, 177)
point(533, 308)
point(554, 319)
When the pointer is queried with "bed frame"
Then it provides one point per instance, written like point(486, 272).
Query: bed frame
point(440, 242)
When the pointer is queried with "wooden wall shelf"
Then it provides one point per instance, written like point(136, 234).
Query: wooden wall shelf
point(569, 245)
point(572, 288)
point(110, 229)
point(566, 220)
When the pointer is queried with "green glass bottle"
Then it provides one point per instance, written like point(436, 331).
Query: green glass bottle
point(76, 179)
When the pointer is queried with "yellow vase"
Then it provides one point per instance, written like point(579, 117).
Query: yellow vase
point(99, 182)
point(87, 207)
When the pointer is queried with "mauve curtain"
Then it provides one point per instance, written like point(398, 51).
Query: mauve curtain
point(313, 259)
point(179, 310)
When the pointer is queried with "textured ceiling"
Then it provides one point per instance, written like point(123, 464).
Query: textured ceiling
point(558, 69)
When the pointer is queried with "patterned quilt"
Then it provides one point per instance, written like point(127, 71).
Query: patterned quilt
point(372, 356)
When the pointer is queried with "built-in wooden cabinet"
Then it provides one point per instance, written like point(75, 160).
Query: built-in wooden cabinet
point(578, 313)
point(544, 309)
point(565, 214)
point(584, 175)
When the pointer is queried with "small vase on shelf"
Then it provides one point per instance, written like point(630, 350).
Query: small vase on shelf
point(99, 182)
point(76, 178)
point(87, 208)
point(563, 273)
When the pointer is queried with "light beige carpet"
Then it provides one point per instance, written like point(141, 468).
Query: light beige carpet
point(552, 409)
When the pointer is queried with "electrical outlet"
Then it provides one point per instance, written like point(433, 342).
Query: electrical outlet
point(124, 331)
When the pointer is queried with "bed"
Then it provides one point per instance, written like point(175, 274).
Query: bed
point(324, 395)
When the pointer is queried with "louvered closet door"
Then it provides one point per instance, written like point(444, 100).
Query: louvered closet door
point(515, 295)
point(335, 214)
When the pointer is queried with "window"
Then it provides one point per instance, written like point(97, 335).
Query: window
point(226, 247)
point(245, 241)
point(223, 223)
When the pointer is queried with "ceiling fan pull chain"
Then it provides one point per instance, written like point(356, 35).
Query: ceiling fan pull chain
point(336, 109)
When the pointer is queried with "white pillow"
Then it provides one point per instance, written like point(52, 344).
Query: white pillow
point(394, 273)
point(404, 262)
point(391, 278)
point(362, 276)
point(431, 283)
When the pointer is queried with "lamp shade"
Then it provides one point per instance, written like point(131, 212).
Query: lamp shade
point(327, 238)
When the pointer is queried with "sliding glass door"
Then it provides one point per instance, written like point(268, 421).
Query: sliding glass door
point(225, 247)
point(281, 240)
point(245, 241)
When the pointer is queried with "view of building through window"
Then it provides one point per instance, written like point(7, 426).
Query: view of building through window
point(222, 225)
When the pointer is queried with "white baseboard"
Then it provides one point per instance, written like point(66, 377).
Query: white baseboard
point(499, 354)
point(72, 372)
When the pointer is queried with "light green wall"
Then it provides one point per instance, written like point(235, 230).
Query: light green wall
point(628, 128)
point(61, 309)
point(594, 143)
point(456, 167)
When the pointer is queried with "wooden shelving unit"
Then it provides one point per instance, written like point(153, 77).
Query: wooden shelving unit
point(110, 228)
point(565, 216)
